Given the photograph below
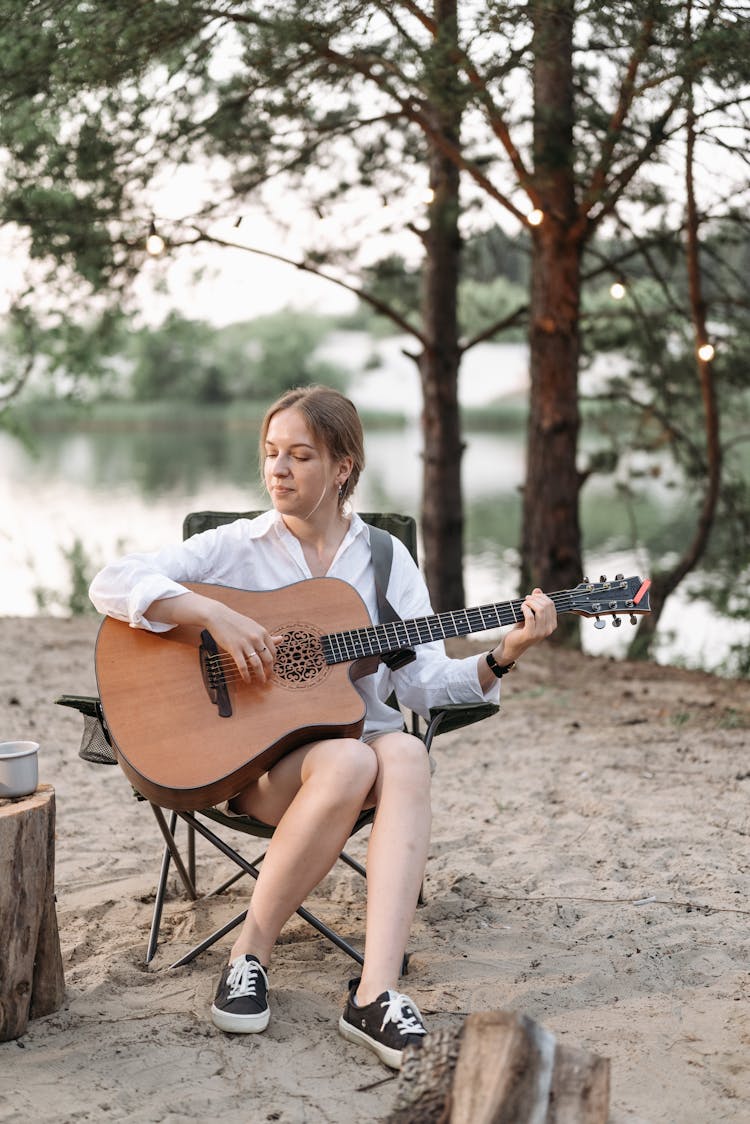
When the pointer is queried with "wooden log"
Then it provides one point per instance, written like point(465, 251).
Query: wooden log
point(500, 1067)
point(32, 983)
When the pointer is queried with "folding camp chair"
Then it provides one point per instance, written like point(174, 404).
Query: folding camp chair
point(96, 748)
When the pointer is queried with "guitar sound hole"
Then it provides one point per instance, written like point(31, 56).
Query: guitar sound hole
point(299, 658)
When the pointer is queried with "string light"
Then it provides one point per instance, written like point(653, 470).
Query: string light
point(155, 244)
point(706, 352)
point(428, 196)
point(617, 290)
point(535, 217)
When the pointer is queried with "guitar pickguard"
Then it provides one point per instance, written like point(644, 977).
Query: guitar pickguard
point(299, 658)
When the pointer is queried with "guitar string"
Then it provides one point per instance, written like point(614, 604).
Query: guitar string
point(224, 663)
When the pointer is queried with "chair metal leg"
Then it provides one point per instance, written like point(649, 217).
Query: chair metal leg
point(248, 868)
point(215, 936)
point(168, 834)
point(230, 881)
point(170, 852)
point(153, 938)
point(191, 854)
point(353, 864)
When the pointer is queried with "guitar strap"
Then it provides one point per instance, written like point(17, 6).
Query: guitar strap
point(381, 549)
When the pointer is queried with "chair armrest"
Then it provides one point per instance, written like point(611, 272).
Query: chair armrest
point(86, 704)
point(455, 717)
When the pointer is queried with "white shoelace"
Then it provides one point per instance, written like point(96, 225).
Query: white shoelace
point(399, 1009)
point(243, 978)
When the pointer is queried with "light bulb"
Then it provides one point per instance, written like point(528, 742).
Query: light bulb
point(535, 217)
point(428, 196)
point(706, 352)
point(154, 242)
point(617, 290)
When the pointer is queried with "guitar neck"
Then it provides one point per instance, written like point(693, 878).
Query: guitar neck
point(340, 647)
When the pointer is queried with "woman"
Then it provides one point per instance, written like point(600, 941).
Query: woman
point(312, 454)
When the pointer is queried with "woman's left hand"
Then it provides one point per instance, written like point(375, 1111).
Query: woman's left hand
point(539, 622)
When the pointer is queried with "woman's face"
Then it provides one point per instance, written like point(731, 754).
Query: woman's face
point(299, 472)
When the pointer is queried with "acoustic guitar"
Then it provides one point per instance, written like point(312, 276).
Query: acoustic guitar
point(189, 732)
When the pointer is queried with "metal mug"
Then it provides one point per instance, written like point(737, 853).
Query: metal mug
point(19, 769)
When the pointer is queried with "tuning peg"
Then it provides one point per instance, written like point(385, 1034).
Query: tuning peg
point(599, 623)
point(602, 577)
point(586, 580)
point(619, 577)
point(617, 621)
point(633, 618)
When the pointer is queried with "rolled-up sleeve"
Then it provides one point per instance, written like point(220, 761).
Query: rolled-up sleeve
point(126, 588)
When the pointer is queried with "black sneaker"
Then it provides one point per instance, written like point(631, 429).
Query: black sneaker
point(241, 1003)
point(387, 1025)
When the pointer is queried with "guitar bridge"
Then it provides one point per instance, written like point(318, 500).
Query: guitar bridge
point(212, 672)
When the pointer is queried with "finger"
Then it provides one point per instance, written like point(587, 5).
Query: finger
point(544, 610)
point(242, 666)
point(271, 642)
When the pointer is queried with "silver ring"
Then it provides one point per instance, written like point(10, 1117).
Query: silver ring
point(253, 656)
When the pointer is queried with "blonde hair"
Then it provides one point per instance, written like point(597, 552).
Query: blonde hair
point(333, 421)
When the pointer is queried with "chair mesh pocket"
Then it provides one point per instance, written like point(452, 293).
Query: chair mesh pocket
point(94, 745)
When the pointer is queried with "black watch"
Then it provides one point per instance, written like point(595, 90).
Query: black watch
point(497, 670)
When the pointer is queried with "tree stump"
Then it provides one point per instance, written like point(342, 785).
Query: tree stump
point(500, 1067)
point(32, 983)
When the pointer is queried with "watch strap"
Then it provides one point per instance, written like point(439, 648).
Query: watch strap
point(498, 670)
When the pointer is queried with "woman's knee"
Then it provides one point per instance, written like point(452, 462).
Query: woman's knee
point(346, 763)
point(405, 755)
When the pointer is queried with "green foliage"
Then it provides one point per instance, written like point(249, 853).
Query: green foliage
point(193, 361)
point(81, 570)
point(72, 355)
point(182, 359)
point(494, 253)
point(484, 303)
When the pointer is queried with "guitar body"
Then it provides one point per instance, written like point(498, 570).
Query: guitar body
point(166, 730)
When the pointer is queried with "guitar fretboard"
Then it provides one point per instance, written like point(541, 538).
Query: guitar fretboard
point(354, 644)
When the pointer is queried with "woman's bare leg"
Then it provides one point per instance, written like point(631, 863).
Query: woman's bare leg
point(314, 795)
point(396, 858)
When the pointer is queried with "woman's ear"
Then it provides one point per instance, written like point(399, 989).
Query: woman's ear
point(344, 471)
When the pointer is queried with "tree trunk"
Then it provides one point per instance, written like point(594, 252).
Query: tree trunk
point(31, 972)
point(551, 540)
point(442, 500)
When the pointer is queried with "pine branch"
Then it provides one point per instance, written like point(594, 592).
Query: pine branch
point(306, 267)
point(492, 329)
point(414, 10)
point(414, 111)
point(619, 115)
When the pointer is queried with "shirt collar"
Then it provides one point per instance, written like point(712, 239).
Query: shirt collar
point(271, 521)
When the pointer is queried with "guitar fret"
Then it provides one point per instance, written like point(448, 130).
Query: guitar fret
point(389, 636)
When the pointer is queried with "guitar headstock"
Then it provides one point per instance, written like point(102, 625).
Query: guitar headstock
point(608, 598)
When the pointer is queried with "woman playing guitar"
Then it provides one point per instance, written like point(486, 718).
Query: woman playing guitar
point(312, 454)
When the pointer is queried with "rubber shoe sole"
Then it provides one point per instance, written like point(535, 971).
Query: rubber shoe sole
point(240, 1024)
point(388, 1056)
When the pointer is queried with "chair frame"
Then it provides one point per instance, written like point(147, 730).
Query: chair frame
point(443, 719)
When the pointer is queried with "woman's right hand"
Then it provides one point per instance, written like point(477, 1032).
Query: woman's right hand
point(250, 645)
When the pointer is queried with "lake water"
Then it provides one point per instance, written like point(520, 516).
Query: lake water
point(129, 490)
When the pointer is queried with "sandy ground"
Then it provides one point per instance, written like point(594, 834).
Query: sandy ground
point(589, 868)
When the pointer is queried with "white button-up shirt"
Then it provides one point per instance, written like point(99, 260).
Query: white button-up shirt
point(263, 554)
